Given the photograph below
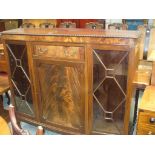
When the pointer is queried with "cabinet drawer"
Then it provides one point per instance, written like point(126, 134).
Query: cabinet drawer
point(145, 130)
point(147, 118)
point(60, 52)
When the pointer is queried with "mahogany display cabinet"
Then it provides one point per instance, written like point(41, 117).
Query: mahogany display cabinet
point(72, 81)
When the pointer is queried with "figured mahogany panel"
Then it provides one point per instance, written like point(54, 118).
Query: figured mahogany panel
point(109, 90)
point(20, 80)
point(62, 93)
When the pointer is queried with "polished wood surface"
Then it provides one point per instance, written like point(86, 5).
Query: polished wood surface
point(142, 29)
point(59, 52)
point(146, 130)
point(4, 84)
point(146, 116)
point(1, 47)
point(64, 82)
point(3, 64)
point(145, 65)
point(151, 48)
point(142, 78)
point(4, 128)
point(153, 74)
point(73, 32)
point(148, 102)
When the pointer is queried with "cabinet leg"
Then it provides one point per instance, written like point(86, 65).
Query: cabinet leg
point(8, 97)
point(13, 130)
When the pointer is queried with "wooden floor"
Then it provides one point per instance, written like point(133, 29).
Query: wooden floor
point(4, 119)
point(5, 115)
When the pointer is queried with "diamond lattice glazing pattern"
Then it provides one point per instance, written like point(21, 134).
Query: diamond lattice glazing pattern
point(109, 90)
point(20, 78)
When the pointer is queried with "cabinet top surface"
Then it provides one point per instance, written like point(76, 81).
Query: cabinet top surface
point(73, 32)
point(148, 101)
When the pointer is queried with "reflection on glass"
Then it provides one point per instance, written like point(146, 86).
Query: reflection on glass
point(109, 90)
point(20, 78)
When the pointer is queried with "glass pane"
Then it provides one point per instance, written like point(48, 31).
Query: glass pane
point(98, 72)
point(14, 48)
point(12, 62)
point(106, 94)
point(100, 124)
point(121, 73)
point(109, 94)
point(20, 78)
point(21, 103)
point(110, 58)
point(24, 62)
point(62, 92)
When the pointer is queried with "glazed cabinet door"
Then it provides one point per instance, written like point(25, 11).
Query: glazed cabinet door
point(20, 78)
point(60, 81)
point(110, 71)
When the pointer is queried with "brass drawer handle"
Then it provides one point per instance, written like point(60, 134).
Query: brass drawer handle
point(150, 133)
point(152, 120)
point(1, 53)
point(42, 50)
point(69, 53)
point(65, 51)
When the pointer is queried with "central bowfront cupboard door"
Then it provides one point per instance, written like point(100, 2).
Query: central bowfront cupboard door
point(110, 72)
point(60, 82)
